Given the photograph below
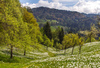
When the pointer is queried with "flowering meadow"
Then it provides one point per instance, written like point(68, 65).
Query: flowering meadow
point(89, 58)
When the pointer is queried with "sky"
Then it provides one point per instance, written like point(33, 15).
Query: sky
point(82, 6)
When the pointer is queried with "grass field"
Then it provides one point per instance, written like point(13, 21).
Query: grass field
point(89, 58)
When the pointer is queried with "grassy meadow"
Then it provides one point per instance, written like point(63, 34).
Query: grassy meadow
point(41, 58)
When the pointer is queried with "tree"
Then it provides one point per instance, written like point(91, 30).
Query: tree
point(33, 29)
point(9, 22)
point(98, 26)
point(98, 23)
point(46, 41)
point(29, 9)
point(24, 37)
point(58, 46)
point(28, 17)
point(52, 43)
point(81, 42)
point(66, 42)
point(47, 30)
point(55, 36)
point(18, 27)
point(74, 41)
point(92, 34)
point(61, 35)
point(70, 40)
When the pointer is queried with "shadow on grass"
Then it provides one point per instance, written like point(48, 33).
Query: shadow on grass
point(62, 54)
point(8, 52)
point(15, 59)
point(6, 58)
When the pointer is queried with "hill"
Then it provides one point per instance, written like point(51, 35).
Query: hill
point(89, 58)
point(70, 20)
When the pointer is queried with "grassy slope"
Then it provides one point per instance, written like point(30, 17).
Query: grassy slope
point(90, 57)
point(20, 61)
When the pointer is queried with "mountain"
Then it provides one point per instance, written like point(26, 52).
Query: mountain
point(70, 20)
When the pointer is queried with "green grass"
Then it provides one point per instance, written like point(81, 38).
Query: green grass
point(15, 62)
point(89, 58)
point(41, 58)
point(51, 54)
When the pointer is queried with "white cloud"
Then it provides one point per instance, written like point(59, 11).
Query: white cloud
point(87, 7)
point(56, 5)
point(83, 6)
point(64, 0)
point(29, 5)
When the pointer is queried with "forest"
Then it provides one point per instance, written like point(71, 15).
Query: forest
point(70, 20)
point(23, 44)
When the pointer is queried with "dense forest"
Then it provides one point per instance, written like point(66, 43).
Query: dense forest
point(70, 20)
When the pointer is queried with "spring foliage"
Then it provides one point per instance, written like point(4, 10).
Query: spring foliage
point(18, 26)
point(72, 40)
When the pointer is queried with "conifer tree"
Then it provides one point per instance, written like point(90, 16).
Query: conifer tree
point(47, 30)
point(61, 35)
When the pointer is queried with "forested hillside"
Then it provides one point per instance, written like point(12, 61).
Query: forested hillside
point(18, 27)
point(69, 20)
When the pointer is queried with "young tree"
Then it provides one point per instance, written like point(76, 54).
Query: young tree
point(58, 46)
point(66, 42)
point(80, 42)
point(91, 35)
point(70, 40)
point(74, 41)
point(46, 41)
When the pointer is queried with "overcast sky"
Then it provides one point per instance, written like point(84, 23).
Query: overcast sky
point(83, 6)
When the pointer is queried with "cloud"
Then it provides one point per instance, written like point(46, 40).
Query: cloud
point(29, 5)
point(64, 0)
point(83, 6)
point(86, 7)
point(56, 5)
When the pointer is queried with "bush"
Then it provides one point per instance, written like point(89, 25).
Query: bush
point(51, 54)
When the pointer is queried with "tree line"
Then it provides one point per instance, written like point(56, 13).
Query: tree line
point(71, 39)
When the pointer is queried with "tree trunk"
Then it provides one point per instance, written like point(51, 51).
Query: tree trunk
point(11, 53)
point(72, 50)
point(80, 50)
point(65, 51)
point(24, 52)
point(90, 38)
point(47, 47)
point(56, 49)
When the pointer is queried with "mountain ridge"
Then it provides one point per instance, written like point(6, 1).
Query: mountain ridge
point(73, 20)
